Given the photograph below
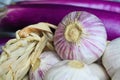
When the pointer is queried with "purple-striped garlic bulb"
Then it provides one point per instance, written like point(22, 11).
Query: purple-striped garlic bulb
point(80, 36)
point(47, 60)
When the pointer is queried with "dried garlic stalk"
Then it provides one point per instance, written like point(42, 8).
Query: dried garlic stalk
point(22, 53)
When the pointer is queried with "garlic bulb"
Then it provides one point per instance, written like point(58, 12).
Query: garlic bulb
point(99, 71)
point(80, 36)
point(111, 57)
point(70, 70)
point(116, 76)
point(47, 60)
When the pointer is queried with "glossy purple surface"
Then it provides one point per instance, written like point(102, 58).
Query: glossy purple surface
point(96, 4)
point(22, 15)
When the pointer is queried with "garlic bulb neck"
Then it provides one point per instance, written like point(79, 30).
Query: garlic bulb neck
point(73, 32)
point(27, 30)
point(75, 64)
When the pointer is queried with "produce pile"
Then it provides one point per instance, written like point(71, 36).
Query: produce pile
point(76, 49)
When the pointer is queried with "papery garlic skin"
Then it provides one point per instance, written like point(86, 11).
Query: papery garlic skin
point(99, 71)
point(47, 60)
point(70, 70)
point(111, 57)
point(116, 76)
point(80, 36)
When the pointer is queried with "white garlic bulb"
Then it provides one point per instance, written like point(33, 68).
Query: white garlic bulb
point(99, 71)
point(111, 57)
point(47, 60)
point(116, 76)
point(80, 36)
point(70, 70)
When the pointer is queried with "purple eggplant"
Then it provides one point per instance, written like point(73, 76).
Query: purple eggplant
point(19, 16)
point(96, 4)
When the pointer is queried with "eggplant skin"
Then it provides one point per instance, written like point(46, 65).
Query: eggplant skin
point(96, 4)
point(19, 16)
